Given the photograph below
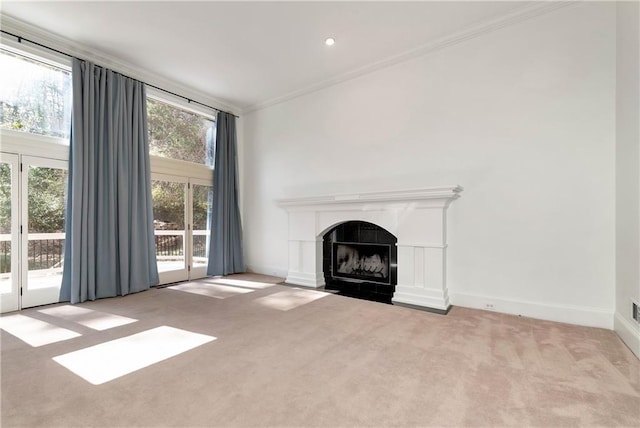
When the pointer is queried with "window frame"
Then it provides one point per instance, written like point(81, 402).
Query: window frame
point(46, 57)
point(36, 53)
point(177, 167)
point(26, 143)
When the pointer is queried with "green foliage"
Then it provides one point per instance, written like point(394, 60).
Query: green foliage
point(36, 99)
point(176, 134)
point(201, 203)
point(46, 199)
point(5, 258)
point(38, 103)
point(46, 202)
point(168, 204)
point(5, 198)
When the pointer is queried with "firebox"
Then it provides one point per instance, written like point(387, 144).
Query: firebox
point(359, 260)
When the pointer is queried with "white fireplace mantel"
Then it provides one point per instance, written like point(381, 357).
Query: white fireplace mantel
point(416, 217)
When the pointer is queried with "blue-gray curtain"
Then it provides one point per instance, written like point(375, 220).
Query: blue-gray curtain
point(109, 247)
point(225, 243)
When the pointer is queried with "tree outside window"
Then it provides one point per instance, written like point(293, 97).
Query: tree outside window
point(179, 134)
point(34, 97)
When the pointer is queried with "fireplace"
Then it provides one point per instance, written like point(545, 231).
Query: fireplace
point(416, 218)
point(359, 260)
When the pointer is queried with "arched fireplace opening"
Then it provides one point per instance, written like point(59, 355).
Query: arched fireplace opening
point(359, 260)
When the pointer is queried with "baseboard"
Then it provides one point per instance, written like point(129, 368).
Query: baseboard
point(305, 279)
point(267, 270)
point(423, 308)
point(294, 278)
point(429, 298)
point(628, 332)
point(580, 315)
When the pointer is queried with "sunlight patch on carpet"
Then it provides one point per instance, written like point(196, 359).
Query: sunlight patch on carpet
point(88, 317)
point(110, 360)
point(242, 283)
point(35, 332)
point(290, 299)
point(210, 290)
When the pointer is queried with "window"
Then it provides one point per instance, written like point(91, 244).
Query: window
point(181, 147)
point(35, 97)
point(35, 124)
point(179, 134)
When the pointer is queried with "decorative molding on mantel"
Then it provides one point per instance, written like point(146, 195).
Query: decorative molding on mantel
point(32, 32)
point(445, 194)
point(416, 217)
point(512, 18)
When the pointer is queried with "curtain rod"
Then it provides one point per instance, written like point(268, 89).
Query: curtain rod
point(189, 100)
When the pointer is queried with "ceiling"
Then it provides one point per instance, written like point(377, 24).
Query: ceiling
point(251, 54)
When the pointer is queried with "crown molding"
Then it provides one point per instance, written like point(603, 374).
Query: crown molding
point(79, 50)
point(63, 44)
point(512, 18)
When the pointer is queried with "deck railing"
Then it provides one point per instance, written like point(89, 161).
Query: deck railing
point(171, 243)
point(46, 250)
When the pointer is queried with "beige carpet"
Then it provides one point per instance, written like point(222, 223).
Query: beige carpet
point(290, 357)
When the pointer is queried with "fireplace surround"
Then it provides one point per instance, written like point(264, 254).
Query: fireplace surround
point(417, 218)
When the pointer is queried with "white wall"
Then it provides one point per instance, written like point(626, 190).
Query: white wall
point(523, 118)
point(628, 172)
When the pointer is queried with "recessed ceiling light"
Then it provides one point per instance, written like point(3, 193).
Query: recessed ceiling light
point(329, 41)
